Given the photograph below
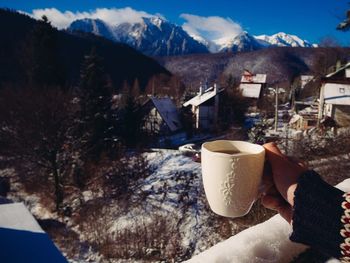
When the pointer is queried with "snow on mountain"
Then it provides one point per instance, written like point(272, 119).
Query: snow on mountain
point(156, 36)
point(95, 26)
point(241, 42)
point(246, 42)
point(283, 40)
point(153, 36)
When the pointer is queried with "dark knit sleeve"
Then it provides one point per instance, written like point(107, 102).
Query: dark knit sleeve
point(318, 216)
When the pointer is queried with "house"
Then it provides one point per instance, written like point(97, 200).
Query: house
point(335, 96)
point(252, 86)
point(306, 112)
point(305, 119)
point(305, 79)
point(205, 107)
point(162, 120)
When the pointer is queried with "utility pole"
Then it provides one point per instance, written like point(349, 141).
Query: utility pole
point(276, 91)
point(276, 108)
point(320, 106)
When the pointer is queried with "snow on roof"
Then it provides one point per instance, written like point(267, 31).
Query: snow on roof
point(201, 98)
point(265, 242)
point(250, 78)
point(251, 90)
point(294, 118)
point(22, 239)
point(308, 111)
point(338, 70)
point(168, 111)
point(305, 79)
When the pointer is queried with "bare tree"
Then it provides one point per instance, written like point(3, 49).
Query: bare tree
point(35, 127)
point(329, 41)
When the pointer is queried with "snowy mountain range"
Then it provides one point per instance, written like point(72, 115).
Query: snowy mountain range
point(153, 36)
point(156, 36)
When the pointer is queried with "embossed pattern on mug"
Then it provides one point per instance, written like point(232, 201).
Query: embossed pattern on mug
point(227, 185)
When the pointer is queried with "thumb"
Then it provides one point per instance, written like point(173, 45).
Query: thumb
point(285, 172)
point(274, 154)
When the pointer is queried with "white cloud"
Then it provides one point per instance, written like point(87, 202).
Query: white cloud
point(112, 16)
point(212, 28)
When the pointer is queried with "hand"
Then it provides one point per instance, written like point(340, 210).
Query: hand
point(283, 173)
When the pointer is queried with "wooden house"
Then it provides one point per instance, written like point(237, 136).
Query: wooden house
point(162, 120)
point(205, 107)
point(252, 86)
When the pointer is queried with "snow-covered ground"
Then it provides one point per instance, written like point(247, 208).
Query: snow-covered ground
point(174, 189)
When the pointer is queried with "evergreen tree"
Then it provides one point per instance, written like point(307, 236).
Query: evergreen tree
point(132, 117)
point(95, 101)
point(41, 56)
point(233, 105)
point(135, 92)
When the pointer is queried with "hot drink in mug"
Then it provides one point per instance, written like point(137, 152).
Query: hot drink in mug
point(232, 171)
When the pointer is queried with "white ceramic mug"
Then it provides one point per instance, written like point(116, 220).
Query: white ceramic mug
point(231, 180)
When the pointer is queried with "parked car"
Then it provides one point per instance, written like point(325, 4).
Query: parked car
point(189, 148)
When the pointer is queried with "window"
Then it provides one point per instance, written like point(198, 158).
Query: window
point(341, 90)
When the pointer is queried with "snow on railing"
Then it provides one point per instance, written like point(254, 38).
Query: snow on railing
point(267, 242)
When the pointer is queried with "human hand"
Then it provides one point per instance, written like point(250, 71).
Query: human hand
point(283, 173)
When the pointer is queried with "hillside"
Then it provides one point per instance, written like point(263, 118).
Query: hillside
point(120, 61)
point(281, 64)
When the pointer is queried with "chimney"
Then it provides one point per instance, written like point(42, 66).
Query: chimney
point(338, 65)
point(200, 88)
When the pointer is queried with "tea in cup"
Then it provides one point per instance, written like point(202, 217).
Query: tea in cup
point(232, 172)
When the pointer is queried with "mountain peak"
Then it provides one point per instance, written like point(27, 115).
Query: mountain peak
point(154, 36)
point(241, 42)
point(155, 20)
point(283, 39)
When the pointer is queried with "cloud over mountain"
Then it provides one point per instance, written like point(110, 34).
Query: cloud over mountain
point(153, 35)
point(113, 16)
point(212, 28)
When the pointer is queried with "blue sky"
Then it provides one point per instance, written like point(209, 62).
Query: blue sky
point(309, 19)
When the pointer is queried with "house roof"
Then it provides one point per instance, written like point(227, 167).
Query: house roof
point(305, 79)
point(168, 112)
point(201, 98)
point(294, 118)
point(250, 78)
point(250, 90)
point(347, 65)
point(22, 239)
